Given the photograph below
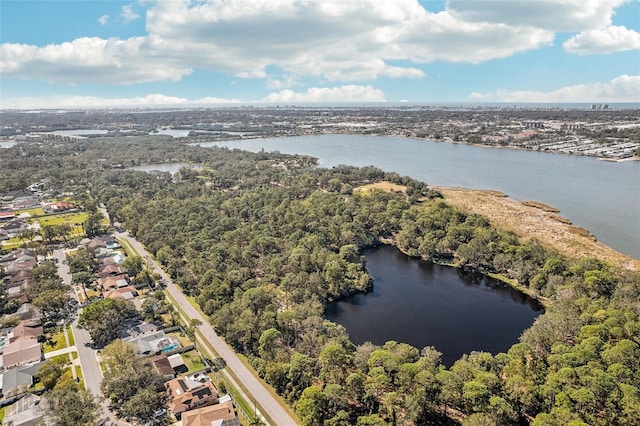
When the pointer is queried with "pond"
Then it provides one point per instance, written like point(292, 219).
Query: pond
point(424, 304)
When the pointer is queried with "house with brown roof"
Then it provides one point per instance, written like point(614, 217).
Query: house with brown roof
point(16, 254)
point(213, 415)
point(15, 226)
point(189, 393)
point(161, 364)
point(109, 271)
point(26, 329)
point(96, 243)
point(21, 352)
point(113, 282)
point(19, 278)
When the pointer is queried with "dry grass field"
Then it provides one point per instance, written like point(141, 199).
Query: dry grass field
point(530, 219)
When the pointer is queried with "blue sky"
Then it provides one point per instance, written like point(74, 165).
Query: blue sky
point(154, 53)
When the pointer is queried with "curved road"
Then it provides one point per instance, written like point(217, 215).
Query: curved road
point(258, 393)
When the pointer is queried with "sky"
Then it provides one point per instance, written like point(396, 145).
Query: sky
point(167, 53)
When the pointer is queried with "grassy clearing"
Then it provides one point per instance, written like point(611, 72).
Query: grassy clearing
point(384, 186)
point(73, 219)
point(34, 211)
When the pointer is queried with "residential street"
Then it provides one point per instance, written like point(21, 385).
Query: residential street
point(91, 373)
point(257, 391)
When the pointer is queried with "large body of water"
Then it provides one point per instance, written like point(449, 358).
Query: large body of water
point(601, 196)
point(424, 304)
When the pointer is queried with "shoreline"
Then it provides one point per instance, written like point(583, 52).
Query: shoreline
point(533, 221)
point(545, 302)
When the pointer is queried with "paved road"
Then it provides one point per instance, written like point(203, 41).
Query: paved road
point(91, 373)
point(256, 390)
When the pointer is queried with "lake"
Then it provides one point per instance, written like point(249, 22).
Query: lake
point(424, 304)
point(601, 196)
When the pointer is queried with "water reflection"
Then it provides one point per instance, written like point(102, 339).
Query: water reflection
point(424, 304)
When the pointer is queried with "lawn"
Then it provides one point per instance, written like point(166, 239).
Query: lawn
point(73, 219)
point(34, 211)
point(193, 361)
point(54, 342)
point(71, 339)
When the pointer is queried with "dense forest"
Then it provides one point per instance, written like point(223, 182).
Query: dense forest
point(264, 241)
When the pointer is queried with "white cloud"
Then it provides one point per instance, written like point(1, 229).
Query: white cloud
point(624, 88)
point(606, 40)
point(331, 41)
point(348, 93)
point(285, 83)
point(555, 15)
point(103, 19)
point(90, 59)
point(128, 14)
point(73, 102)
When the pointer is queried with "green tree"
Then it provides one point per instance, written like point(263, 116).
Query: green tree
point(104, 319)
point(72, 406)
point(49, 373)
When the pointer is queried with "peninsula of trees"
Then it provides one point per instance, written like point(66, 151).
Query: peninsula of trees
point(263, 241)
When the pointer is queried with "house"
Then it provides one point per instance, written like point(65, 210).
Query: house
point(137, 328)
point(26, 203)
point(28, 411)
point(188, 393)
point(96, 244)
point(23, 263)
point(15, 226)
point(153, 342)
point(16, 254)
point(213, 415)
point(109, 270)
point(18, 293)
point(126, 293)
point(18, 379)
point(21, 352)
point(60, 206)
point(177, 363)
point(19, 278)
point(112, 282)
point(7, 215)
point(26, 329)
point(161, 364)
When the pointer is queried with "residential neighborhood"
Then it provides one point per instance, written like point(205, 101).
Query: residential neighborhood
point(76, 267)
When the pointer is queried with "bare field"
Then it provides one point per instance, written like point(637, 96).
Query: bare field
point(383, 185)
point(533, 221)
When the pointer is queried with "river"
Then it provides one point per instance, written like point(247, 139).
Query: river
point(601, 196)
point(424, 304)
